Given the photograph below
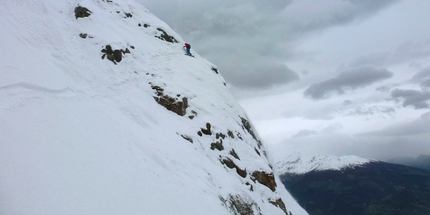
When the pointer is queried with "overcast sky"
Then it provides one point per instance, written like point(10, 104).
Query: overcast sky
point(332, 77)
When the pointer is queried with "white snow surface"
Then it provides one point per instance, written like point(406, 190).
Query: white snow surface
point(299, 163)
point(81, 135)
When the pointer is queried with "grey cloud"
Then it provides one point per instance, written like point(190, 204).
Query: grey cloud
point(422, 77)
point(328, 129)
point(426, 83)
point(311, 15)
point(260, 74)
point(386, 147)
point(377, 147)
point(218, 29)
point(348, 80)
point(374, 59)
point(345, 109)
point(305, 133)
point(410, 51)
point(320, 113)
point(386, 88)
point(332, 128)
point(347, 102)
point(404, 52)
point(417, 99)
point(377, 110)
point(416, 127)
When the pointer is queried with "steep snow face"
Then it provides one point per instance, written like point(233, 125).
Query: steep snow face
point(103, 113)
point(301, 164)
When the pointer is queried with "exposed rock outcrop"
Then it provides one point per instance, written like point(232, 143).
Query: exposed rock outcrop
point(166, 37)
point(177, 105)
point(82, 12)
point(114, 55)
point(266, 179)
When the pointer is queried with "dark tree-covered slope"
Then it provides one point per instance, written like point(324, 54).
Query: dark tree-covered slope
point(376, 188)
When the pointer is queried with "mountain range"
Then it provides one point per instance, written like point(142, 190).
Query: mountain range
point(346, 185)
point(420, 162)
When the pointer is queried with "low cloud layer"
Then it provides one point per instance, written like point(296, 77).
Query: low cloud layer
point(348, 80)
point(414, 127)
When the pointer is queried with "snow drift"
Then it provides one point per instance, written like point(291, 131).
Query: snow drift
point(102, 113)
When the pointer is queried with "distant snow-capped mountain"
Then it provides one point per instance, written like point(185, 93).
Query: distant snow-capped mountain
point(351, 185)
point(102, 112)
point(299, 163)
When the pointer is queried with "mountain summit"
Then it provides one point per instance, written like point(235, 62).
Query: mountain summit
point(103, 113)
point(299, 163)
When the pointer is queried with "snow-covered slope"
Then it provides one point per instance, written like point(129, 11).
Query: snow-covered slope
point(102, 113)
point(299, 163)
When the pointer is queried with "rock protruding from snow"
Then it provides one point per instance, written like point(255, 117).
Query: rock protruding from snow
point(300, 164)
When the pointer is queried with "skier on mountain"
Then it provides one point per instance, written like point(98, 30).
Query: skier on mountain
point(187, 48)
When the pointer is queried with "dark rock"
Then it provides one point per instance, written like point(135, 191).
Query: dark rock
point(257, 152)
point(164, 36)
point(230, 134)
point(218, 135)
point(266, 179)
point(230, 164)
point(117, 54)
point(126, 51)
point(145, 25)
point(128, 15)
point(248, 127)
point(207, 131)
point(178, 107)
point(172, 104)
point(107, 50)
point(159, 91)
point(215, 70)
point(83, 36)
point(280, 204)
point(259, 144)
point(217, 145)
point(241, 206)
point(239, 135)
point(251, 188)
point(82, 12)
point(187, 138)
point(114, 55)
point(111, 58)
point(234, 154)
point(194, 114)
